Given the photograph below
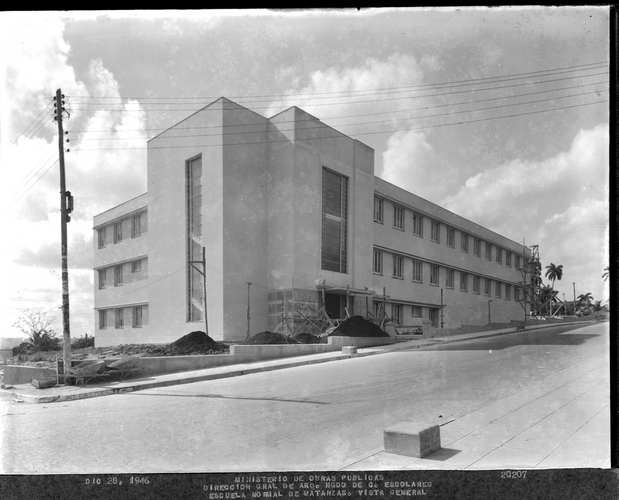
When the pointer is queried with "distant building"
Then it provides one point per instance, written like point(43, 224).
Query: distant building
point(292, 206)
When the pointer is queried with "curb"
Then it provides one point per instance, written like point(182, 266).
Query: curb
point(108, 391)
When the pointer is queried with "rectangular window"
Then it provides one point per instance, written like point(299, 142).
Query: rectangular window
point(416, 312)
point(508, 292)
point(334, 220)
point(136, 266)
point(102, 283)
point(488, 251)
point(499, 255)
point(464, 282)
point(451, 237)
point(378, 307)
point(508, 258)
point(433, 314)
point(434, 271)
point(136, 226)
point(464, 242)
point(476, 284)
point(118, 232)
point(101, 237)
point(497, 289)
point(435, 231)
point(517, 293)
point(477, 247)
point(378, 261)
point(195, 281)
point(378, 209)
point(119, 318)
point(418, 224)
point(118, 275)
point(487, 286)
point(396, 313)
point(417, 271)
point(140, 315)
point(518, 262)
point(398, 217)
point(102, 319)
point(398, 262)
point(449, 278)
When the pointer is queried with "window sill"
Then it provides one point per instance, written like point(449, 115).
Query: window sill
point(397, 277)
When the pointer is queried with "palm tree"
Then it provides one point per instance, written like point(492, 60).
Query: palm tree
point(546, 296)
point(554, 272)
point(606, 272)
point(585, 298)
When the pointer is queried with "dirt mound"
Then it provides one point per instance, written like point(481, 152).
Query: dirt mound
point(307, 338)
point(358, 326)
point(194, 343)
point(267, 337)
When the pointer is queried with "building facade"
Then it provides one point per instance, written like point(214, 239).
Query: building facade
point(290, 218)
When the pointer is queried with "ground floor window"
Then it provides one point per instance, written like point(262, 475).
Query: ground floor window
point(396, 313)
point(416, 311)
point(433, 313)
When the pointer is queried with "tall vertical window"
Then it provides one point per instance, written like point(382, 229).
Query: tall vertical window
point(416, 312)
point(398, 263)
point(497, 289)
point(477, 247)
point(499, 255)
point(118, 318)
point(396, 313)
point(378, 209)
point(334, 221)
point(434, 270)
point(138, 224)
point(435, 231)
point(101, 237)
point(464, 242)
point(102, 283)
point(508, 258)
point(418, 224)
point(195, 283)
point(508, 292)
point(488, 251)
point(516, 293)
point(487, 286)
point(118, 232)
point(464, 282)
point(518, 261)
point(118, 275)
point(102, 319)
point(451, 237)
point(140, 316)
point(417, 271)
point(398, 217)
point(378, 261)
point(433, 314)
point(449, 278)
point(476, 284)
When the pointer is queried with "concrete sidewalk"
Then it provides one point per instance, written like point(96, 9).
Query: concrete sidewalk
point(561, 422)
point(28, 394)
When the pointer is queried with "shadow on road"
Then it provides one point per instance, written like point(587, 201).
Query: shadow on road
point(220, 396)
point(554, 337)
point(442, 454)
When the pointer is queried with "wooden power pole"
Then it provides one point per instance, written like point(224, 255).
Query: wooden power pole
point(65, 198)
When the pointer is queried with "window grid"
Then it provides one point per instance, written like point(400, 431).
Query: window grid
point(508, 258)
point(378, 261)
point(416, 312)
point(398, 261)
point(434, 274)
point(334, 221)
point(499, 255)
point(477, 247)
point(508, 292)
point(435, 231)
point(396, 313)
point(417, 271)
point(476, 284)
point(464, 282)
point(464, 242)
point(449, 278)
point(398, 217)
point(497, 289)
point(487, 286)
point(488, 251)
point(378, 209)
point(451, 237)
point(418, 224)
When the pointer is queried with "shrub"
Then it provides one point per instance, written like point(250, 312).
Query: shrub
point(84, 341)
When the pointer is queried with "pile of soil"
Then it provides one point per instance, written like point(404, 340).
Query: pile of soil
point(358, 326)
point(307, 338)
point(268, 337)
point(195, 343)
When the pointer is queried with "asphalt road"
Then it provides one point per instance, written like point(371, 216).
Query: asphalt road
point(324, 416)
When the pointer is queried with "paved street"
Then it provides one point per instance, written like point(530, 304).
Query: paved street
point(501, 397)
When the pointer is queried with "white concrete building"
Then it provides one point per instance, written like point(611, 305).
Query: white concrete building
point(289, 205)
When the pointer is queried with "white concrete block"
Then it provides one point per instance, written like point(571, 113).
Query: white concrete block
point(349, 349)
point(413, 439)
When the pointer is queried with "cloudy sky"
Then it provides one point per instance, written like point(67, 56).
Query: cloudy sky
point(500, 115)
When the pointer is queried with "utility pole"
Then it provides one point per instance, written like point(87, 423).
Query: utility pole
point(248, 310)
point(64, 218)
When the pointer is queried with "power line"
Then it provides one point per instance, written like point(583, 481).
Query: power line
point(357, 115)
point(321, 125)
point(469, 81)
point(108, 108)
point(333, 136)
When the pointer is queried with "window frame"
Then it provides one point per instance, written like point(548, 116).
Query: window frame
point(378, 258)
point(417, 266)
point(464, 281)
point(399, 223)
point(380, 203)
point(450, 279)
point(435, 236)
point(450, 239)
point(398, 267)
point(417, 224)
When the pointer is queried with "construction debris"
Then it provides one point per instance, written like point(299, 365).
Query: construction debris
point(358, 326)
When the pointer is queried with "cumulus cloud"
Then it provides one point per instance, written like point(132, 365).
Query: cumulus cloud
point(105, 166)
point(560, 203)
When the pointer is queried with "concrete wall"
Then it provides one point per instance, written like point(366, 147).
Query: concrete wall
point(339, 341)
point(19, 374)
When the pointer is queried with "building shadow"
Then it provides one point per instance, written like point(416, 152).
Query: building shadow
point(442, 454)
